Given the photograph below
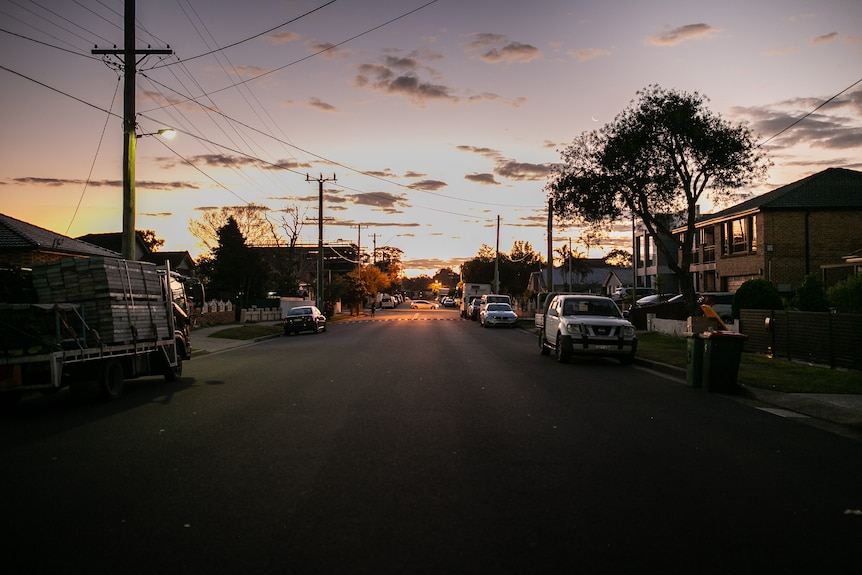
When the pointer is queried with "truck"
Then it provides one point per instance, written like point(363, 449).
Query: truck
point(469, 292)
point(90, 324)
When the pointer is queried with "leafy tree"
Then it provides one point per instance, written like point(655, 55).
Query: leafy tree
point(236, 270)
point(756, 294)
point(481, 268)
point(619, 258)
point(150, 239)
point(250, 219)
point(846, 295)
point(810, 296)
point(662, 155)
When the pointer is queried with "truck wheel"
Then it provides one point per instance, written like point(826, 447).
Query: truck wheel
point(561, 354)
point(111, 382)
point(543, 346)
point(172, 374)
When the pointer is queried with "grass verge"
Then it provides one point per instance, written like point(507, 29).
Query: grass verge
point(758, 371)
point(248, 331)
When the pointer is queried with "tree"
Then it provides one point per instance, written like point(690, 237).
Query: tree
point(619, 258)
point(236, 270)
point(150, 239)
point(810, 296)
point(756, 294)
point(846, 295)
point(251, 221)
point(662, 155)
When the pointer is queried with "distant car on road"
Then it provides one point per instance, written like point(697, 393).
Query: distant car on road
point(304, 318)
point(448, 302)
point(498, 314)
point(423, 304)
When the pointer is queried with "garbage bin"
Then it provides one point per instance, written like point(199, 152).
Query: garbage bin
point(694, 363)
point(721, 356)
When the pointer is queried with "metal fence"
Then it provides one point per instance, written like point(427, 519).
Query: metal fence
point(821, 338)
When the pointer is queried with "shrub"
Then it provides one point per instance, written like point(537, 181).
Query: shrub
point(846, 296)
point(756, 294)
point(810, 295)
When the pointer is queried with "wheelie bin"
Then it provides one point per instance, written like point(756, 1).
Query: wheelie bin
point(694, 363)
point(721, 356)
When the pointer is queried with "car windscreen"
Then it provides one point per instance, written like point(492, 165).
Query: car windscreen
point(598, 307)
point(300, 311)
point(499, 307)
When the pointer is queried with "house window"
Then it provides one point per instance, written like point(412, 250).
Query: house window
point(739, 236)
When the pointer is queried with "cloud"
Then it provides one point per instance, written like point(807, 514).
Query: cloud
point(429, 185)
point(586, 54)
point(144, 184)
point(485, 179)
point(825, 38)
point(683, 34)
point(412, 77)
point(836, 126)
point(321, 105)
point(283, 37)
point(511, 169)
point(496, 48)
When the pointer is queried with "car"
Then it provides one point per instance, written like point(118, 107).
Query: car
point(448, 302)
point(498, 314)
point(587, 325)
point(423, 304)
point(304, 318)
point(655, 299)
point(720, 302)
point(472, 308)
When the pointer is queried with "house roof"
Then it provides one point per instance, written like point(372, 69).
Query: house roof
point(833, 188)
point(16, 235)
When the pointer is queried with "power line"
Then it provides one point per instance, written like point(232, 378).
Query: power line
point(809, 113)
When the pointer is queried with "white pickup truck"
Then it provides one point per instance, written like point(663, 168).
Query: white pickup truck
point(586, 325)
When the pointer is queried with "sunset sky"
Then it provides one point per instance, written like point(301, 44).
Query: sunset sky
point(436, 117)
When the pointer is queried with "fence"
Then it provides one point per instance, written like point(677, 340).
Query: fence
point(822, 338)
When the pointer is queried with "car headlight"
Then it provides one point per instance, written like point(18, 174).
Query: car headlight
point(574, 328)
point(628, 331)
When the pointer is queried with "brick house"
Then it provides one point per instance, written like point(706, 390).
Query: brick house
point(781, 236)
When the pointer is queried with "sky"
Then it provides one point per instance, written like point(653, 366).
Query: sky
point(429, 119)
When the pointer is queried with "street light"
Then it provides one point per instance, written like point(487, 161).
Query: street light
point(166, 133)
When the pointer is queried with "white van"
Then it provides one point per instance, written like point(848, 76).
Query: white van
point(386, 302)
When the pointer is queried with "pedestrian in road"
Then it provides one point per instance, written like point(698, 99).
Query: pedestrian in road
point(372, 309)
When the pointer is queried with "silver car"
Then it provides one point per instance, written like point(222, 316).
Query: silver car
point(498, 314)
point(587, 325)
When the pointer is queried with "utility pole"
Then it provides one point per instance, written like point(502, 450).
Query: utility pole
point(550, 269)
point(319, 299)
point(497, 260)
point(128, 54)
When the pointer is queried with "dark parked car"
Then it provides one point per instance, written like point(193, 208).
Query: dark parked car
point(304, 318)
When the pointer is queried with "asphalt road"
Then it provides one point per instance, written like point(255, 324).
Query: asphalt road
point(421, 443)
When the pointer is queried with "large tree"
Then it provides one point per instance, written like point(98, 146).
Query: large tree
point(236, 270)
point(661, 156)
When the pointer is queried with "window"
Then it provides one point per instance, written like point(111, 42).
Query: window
point(739, 235)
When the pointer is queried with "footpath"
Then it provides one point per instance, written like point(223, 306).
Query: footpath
point(837, 413)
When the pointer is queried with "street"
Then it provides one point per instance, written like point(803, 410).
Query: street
point(418, 442)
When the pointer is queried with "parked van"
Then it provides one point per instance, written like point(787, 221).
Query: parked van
point(387, 302)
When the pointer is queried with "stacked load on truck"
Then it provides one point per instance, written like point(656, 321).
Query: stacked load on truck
point(120, 301)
